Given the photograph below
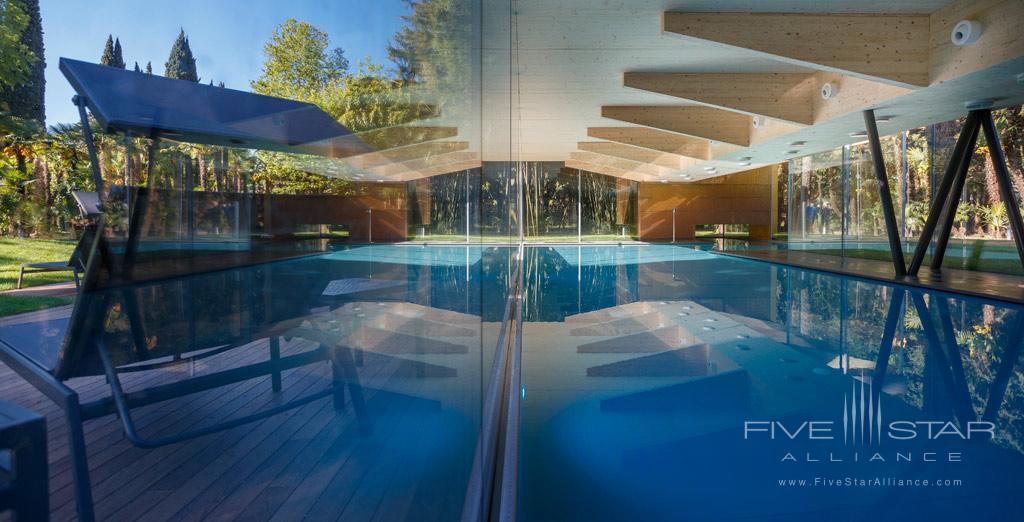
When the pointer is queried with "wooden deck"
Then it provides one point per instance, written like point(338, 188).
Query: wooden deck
point(411, 461)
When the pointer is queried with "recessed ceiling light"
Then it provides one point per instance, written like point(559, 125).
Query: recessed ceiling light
point(859, 134)
point(794, 151)
point(746, 158)
point(1020, 78)
point(883, 119)
point(664, 181)
point(710, 169)
point(797, 143)
point(744, 163)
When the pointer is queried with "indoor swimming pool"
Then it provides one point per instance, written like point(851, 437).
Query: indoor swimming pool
point(656, 382)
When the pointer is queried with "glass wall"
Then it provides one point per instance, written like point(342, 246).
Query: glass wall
point(836, 211)
point(558, 204)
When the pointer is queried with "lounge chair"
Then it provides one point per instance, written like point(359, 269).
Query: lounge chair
point(47, 359)
point(89, 206)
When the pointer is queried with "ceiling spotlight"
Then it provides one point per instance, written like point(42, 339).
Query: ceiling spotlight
point(797, 143)
point(744, 163)
point(859, 134)
point(883, 119)
point(757, 121)
point(710, 169)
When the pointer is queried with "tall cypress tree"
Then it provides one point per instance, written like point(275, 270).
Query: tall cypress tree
point(149, 67)
point(108, 51)
point(26, 99)
point(181, 64)
point(137, 67)
point(118, 56)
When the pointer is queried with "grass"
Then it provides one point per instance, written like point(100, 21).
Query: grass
point(14, 252)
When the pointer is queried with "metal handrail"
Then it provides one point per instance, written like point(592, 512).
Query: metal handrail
point(477, 505)
point(508, 495)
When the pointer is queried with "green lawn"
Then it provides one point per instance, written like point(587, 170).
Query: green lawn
point(14, 252)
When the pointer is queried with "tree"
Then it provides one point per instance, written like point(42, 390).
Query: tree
point(181, 64)
point(24, 97)
point(118, 56)
point(108, 51)
point(298, 63)
point(137, 67)
point(15, 57)
point(149, 67)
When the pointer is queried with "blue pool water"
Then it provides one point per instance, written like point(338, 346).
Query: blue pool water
point(691, 393)
point(659, 382)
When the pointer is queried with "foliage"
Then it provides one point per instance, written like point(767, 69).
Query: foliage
point(298, 63)
point(16, 58)
point(181, 65)
point(22, 80)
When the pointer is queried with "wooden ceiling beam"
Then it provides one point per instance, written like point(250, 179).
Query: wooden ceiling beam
point(655, 140)
point(422, 164)
point(606, 170)
point(407, 153)
point(642, 155)
point(793, 99)
point(888, 47)
point(692, 120)
point(783, 96)
point(646, 169)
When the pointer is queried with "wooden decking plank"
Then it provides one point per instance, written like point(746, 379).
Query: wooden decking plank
point(309, 490)
point(234, 493)
point(192, 456)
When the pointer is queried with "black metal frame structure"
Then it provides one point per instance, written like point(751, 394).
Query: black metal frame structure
point(885, 196)
point(942, 213)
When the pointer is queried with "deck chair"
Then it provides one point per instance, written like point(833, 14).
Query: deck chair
point(85, 348)
point(89, 206)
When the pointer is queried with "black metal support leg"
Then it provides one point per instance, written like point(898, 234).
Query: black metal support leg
point(79, 461)
point(346, 362)
point(945, 186)
point(338, 380)
point(948, 216)
point(885, 196)
point(275, 356)
point(94, 163)
point(995, 146)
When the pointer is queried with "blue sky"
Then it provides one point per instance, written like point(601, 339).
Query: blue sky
point(226, 36)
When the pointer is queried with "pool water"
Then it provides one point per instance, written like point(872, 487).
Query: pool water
point(659, 382)
point(668, 383)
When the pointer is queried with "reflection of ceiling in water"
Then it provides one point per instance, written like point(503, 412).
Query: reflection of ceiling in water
point(421, 255)
point(628, 255)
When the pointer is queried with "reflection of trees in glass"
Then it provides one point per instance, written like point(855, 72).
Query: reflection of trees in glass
point(549, 195)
